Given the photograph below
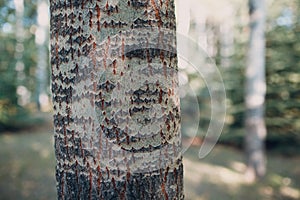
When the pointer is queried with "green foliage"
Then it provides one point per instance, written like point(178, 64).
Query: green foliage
point(283, 83)
point(282, 76)
point(12, 114)
point(283, 97)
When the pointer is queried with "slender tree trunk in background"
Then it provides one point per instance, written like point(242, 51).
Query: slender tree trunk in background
point(226, 43)
point(19, 6)
point(116, 111)
point(255, 92)
point(40, 39)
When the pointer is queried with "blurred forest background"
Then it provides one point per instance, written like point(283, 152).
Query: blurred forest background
point(221, 28)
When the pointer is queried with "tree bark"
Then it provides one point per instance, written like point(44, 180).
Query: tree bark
point(116, 110)
point(255, 92)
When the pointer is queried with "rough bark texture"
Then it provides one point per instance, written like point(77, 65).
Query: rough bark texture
point(116, 111)
point(255, 92)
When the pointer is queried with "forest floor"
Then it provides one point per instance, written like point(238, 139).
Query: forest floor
point(27, 166)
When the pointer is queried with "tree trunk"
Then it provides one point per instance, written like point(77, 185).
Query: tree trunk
point(255, 92)
point(116, 110)
point(226, 43)
point(19, 52)
point(41, 38)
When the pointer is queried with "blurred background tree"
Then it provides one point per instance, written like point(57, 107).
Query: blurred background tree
point(255, 92)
